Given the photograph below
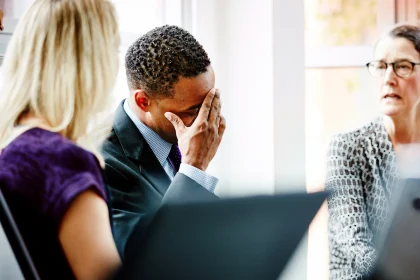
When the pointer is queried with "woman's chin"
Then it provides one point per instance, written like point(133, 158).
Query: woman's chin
point(391, 111)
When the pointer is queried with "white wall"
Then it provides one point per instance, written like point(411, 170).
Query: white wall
point(238, 37)
point(289, 94)
point(15, 8)
point(257, 51)
point(12, 11)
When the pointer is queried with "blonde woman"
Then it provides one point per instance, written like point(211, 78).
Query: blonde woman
point(59, 69)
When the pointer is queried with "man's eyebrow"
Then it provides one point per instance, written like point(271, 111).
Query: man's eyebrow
point(403, 59)
point(397, 59)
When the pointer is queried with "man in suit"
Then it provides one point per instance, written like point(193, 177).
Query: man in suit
point(165, 133)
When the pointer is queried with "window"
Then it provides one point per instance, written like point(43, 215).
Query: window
point(331, 23)
point(340, 93)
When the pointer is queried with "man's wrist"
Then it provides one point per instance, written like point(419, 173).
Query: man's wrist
point(204, 179)
point(195, 163)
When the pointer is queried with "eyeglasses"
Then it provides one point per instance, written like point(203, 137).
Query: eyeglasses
point(402, 69)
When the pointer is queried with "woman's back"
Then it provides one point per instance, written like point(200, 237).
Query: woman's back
point(59, 69)
point(41, 173)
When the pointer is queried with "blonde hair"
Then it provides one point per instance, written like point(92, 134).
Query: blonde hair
point(60, 66)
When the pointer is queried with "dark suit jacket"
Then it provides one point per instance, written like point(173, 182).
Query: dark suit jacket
point(137, 182)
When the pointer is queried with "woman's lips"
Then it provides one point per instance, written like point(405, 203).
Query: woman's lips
point(391, 96)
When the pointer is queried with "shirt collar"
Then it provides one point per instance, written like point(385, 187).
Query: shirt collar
point(160, 147)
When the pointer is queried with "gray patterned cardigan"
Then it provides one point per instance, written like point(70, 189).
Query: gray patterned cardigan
point(361, 173)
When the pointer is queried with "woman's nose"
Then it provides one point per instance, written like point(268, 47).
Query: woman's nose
point(390, 77)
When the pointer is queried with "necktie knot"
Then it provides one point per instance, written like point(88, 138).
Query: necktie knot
point(175, 157)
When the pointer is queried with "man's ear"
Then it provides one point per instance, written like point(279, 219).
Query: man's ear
point(142, 100)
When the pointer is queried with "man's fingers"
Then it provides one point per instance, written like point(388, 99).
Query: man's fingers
point(203, 114)
point(215, 108)
point(222, 127)
point(176, 122)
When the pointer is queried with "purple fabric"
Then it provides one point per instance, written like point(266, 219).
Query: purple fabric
point(41, 173)
point(175, 157)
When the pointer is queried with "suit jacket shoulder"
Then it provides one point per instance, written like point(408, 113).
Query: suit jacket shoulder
point(133, 175)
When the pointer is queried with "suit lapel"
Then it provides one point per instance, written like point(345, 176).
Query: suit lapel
point(152, 170)
point(138, 151)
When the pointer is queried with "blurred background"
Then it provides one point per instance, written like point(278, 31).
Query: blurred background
point(291, 74)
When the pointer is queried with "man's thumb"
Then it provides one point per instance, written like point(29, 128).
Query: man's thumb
point(176, 121)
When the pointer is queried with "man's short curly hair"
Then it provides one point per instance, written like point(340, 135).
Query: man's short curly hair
point(157, 60)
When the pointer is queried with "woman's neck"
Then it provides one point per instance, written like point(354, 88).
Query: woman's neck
point(29, 119)
point(402, 130)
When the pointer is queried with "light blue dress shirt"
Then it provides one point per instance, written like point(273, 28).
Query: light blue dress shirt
point(161, 149)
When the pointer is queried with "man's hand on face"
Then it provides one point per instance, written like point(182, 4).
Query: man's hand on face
point(199, 142)
point(1, 20)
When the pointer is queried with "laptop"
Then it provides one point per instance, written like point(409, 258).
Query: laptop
point(240, 238)
point(399, 249)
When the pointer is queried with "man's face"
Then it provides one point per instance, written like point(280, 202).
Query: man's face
point(185, 103)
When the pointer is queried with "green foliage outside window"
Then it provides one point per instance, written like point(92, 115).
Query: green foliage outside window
point(347, 21)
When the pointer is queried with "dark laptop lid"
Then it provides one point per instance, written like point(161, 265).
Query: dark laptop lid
point(242, 238)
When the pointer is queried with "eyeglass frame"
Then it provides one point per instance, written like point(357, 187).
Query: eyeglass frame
point(413, 64)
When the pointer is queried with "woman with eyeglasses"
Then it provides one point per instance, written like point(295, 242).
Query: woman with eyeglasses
point(361, 168)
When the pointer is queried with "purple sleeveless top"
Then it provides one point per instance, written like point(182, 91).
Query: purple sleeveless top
point(41, 173)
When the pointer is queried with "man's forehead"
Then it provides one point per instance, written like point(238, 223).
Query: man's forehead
point(189, 100)
point(194, 88)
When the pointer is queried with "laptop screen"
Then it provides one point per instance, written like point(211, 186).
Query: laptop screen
point(399, 249)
